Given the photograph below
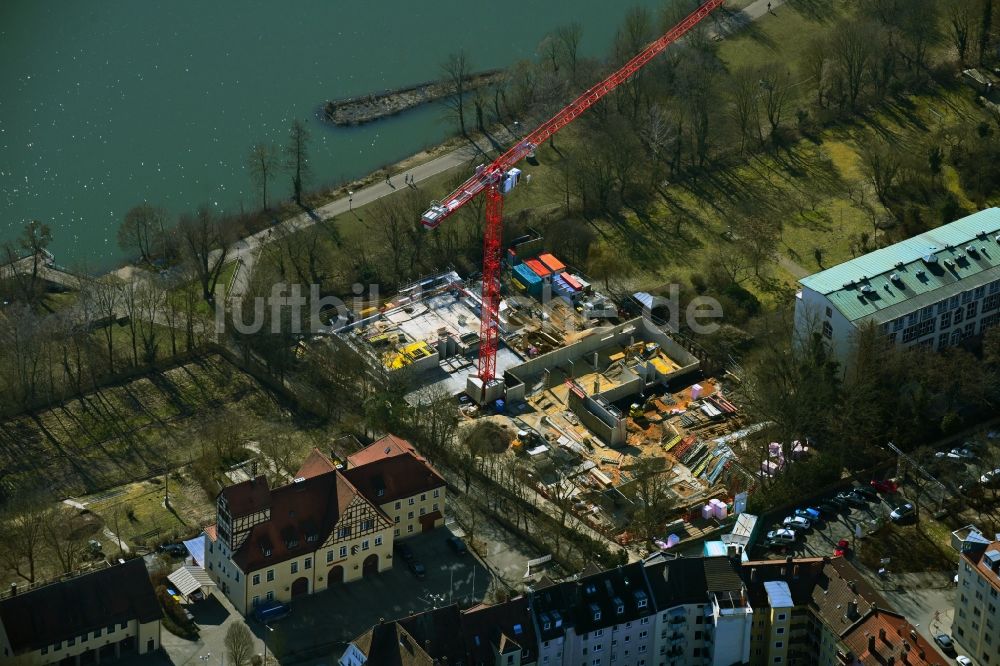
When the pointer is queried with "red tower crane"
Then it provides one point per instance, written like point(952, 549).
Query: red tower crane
point(498, 179)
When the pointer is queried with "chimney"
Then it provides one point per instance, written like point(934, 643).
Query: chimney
point(906, 647)
point(795, 571)
point(852, 611)
point(13, 589)
point(753, 575)
point(381, 620)
point(731, 551)
point(871, 644)
point(881, 635)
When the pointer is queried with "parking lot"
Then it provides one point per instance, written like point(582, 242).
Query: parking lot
point(321, 624)
point(823, 535)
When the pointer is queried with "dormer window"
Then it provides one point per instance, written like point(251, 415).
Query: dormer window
point(619, 606)
point(380, 492)
point(595, 612)
point(640, 599)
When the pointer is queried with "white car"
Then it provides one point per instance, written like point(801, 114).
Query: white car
point(990, 478)
point(781, 536)
point(902, 511)
point(796, 523)
point(956, 454)
point(964, 661)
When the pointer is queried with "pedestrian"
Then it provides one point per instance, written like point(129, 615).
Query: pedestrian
point(769, 8)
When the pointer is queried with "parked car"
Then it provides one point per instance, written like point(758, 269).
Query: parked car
point(852, 499)
point(781, 537)
point(902, 512)
point(94, 545)
point(843, 548)
point(174, 549)
point(457, 545)
point(840, 503)
point(885, 486)
point(867, 492)
point(796, 523)
point(828, 510)
point(404, 551)
point(962, 660)
point(991, 478)
point(417, 569)
point(809, 514)
point(944, 640)
point(960, 453)
point(271, 611)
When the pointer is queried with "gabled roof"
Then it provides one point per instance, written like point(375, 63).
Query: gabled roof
point(247, 497)
point(980, 559)
point(502, 628)
point(389, 644)
point(677, 582)
point(883, 635)
point(314, 465)
point(304, 508)
point(388, 446)
point(439, 632)
point(593, 602)
point(394, 477)
point(69, 608)
point(918, 283)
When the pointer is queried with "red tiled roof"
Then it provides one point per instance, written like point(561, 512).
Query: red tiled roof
point(882, 635)
point(395, 477)
point(315, 464)
point(247, 497)
point(388, 446)
point(212, 532)
point(978, 560)
point(312, 506)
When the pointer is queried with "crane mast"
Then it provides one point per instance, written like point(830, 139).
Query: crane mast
point(497, 179)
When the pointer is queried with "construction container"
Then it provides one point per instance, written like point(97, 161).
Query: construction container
point(552, 263)
point(528, 278)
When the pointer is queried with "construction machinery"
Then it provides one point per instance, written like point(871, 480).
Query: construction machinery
point(501, 176)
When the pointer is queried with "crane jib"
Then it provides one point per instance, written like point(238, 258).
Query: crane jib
point(475, 185)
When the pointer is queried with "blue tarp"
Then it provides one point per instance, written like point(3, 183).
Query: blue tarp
point(196, 547)
point(526, 275)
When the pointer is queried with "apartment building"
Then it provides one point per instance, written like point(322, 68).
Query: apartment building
point(404, 485)
point(822, 611)
point(667, 611)
point(933, 290)
point(498, 635)
point(91, 618)
point(320, 530)
point(976, 624)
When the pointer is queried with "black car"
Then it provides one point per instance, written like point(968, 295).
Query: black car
point(867, 492)
point(828, 510)
point(174, 549)
point(944, 640)
point(840, 504)
point(457, 545)
point(417, 569)
point(404, 551)
point(852, 499)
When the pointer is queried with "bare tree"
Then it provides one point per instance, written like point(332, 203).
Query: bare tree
point(141, 229)
point(262, 163)
point(30, 249)
point(852, 45)
point(961, 16)
point(63, 543)
point(776, 90)
point(297, 157)
point(745, 90)
point(456, 71)
point(881, 165)
point(23, 536)
point(239, 644)
point(206, 245)
point(569, 38)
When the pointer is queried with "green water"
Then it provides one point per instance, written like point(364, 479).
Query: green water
point(105, 104)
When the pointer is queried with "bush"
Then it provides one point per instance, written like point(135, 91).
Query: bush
point(173, 614)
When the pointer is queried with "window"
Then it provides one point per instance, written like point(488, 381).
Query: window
point(364, 545)
point(927, 313)
point(269, 596)
point(778, 645)
point(697, 635)
point(56, 647)
point(409, 516)
point(781, 617)
point(409, 529)
point(897, 325)
point(270, 575)
point(256, 600)
point(329, 556)
point(423, 497)
point(780, 631)
point(945, 320)
point(643, 634)
point(980, 292)
point(827, 330)
point(423, 510)
point(912, 319)
point(435, 507)
point(45, 649)
point(343, 532)
point(437, 492)
point(343, 551)
point(380, 492)
point(971, 309)
point(378, 541)
point(398, 504)
point(308, 563)
point(396, 520)
point(367, 524)
point(598, 648)
point(829, 311)
point(966, 297)
point(111, 628)
point(256, 579)
point(777, 660)
point(295, 567)
point(395, 532)
point(97, 632)
point(411, 501)
point(644, 620)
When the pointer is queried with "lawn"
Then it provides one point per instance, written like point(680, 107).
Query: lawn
point(922, 547)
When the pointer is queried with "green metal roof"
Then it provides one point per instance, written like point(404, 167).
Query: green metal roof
point(863, 287)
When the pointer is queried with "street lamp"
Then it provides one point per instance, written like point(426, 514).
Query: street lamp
point(269, 629)
point(350, 200)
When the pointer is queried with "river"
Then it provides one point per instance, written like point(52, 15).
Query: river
point(106, 104)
